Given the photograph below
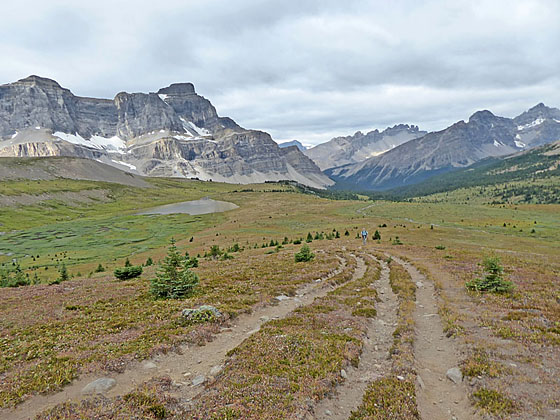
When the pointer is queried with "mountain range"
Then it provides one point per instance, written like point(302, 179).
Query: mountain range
point(359, 147)
point(460, 145)
point(174, 133)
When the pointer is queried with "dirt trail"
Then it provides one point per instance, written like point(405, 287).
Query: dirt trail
point(438, 398)
point(374, 361)
point(191, 362)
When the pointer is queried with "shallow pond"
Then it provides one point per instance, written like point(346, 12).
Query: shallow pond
point(203, 206)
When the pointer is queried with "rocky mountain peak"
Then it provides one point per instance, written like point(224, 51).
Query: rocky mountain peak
point(537, 115)
point(178, 89)
point(34, 80)
point(481, 116)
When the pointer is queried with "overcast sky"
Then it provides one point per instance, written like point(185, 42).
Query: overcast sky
point(306, 70)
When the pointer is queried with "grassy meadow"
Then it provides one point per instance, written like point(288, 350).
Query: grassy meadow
point(51, 334)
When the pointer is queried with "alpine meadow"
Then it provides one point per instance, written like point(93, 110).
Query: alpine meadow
point(384, 244)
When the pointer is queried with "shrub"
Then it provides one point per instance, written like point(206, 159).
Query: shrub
point(126, 273)
point(397, 241)
point(149, 262)
point(234, 248)
point(13, 277)
point(214, 253)
point(304, 254)
point(63, 273)
point(377, 235)
point(297, 241)
point(190, 262)
point(174, 279)
point(309, 238)
point(346, 233)
point(493, 281)
point(99, 269)
point(441, 247)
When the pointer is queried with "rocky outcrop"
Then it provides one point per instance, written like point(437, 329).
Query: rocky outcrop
point(359, 147)
point(462, 144)
point(174, 132)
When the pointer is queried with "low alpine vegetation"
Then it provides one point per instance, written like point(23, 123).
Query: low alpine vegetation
point(128, 272)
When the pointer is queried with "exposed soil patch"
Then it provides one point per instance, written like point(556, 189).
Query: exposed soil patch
point(438, 397)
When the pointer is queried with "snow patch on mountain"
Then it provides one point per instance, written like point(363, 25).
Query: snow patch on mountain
point(120, 162)
point(95, 142)
point(538, 121)
point(199, 130)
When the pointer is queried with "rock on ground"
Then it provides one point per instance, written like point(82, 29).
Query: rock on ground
point(99, 386)
point(455, 375)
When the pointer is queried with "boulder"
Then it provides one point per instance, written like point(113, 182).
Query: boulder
point(455, 375)
point(99, 386)
point(201, 314)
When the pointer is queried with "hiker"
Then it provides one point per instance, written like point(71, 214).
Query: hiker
point(364, 236)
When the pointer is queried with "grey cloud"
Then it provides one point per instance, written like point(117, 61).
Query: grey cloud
point(308, 70)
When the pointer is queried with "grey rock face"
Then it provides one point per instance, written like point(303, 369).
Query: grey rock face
point(462, 144)
point(174, 132)
point(359, 147)
point(296, 143)
point(99, 386)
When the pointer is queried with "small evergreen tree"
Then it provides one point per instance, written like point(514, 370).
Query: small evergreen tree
point(304, 254)
point(337, 236)
point(174, 279)
point(149, 262)
point(214, 253)
point(309, 237)
point(493, 281)
point(377, 235)
point(36, 279)
point(63, 273)
point(100, 269)
point(127, 263)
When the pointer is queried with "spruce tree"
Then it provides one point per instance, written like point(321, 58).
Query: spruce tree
point(174, 279)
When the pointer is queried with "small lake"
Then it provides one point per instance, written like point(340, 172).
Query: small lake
point(203, 206)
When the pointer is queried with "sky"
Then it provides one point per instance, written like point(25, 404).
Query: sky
point(306, 70)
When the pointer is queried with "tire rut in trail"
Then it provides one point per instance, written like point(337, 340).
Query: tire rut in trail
point(193, 359)
point(438, 398)
point(374, 360)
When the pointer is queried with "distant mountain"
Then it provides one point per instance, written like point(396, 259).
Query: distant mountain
point(296, 143)
point(173, 132)
point(532, 175)
point(359, 147)
point(464, 143)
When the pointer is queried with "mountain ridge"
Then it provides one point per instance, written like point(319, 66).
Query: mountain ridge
point(459, 145)
point(359, 146)
point(171, 132)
